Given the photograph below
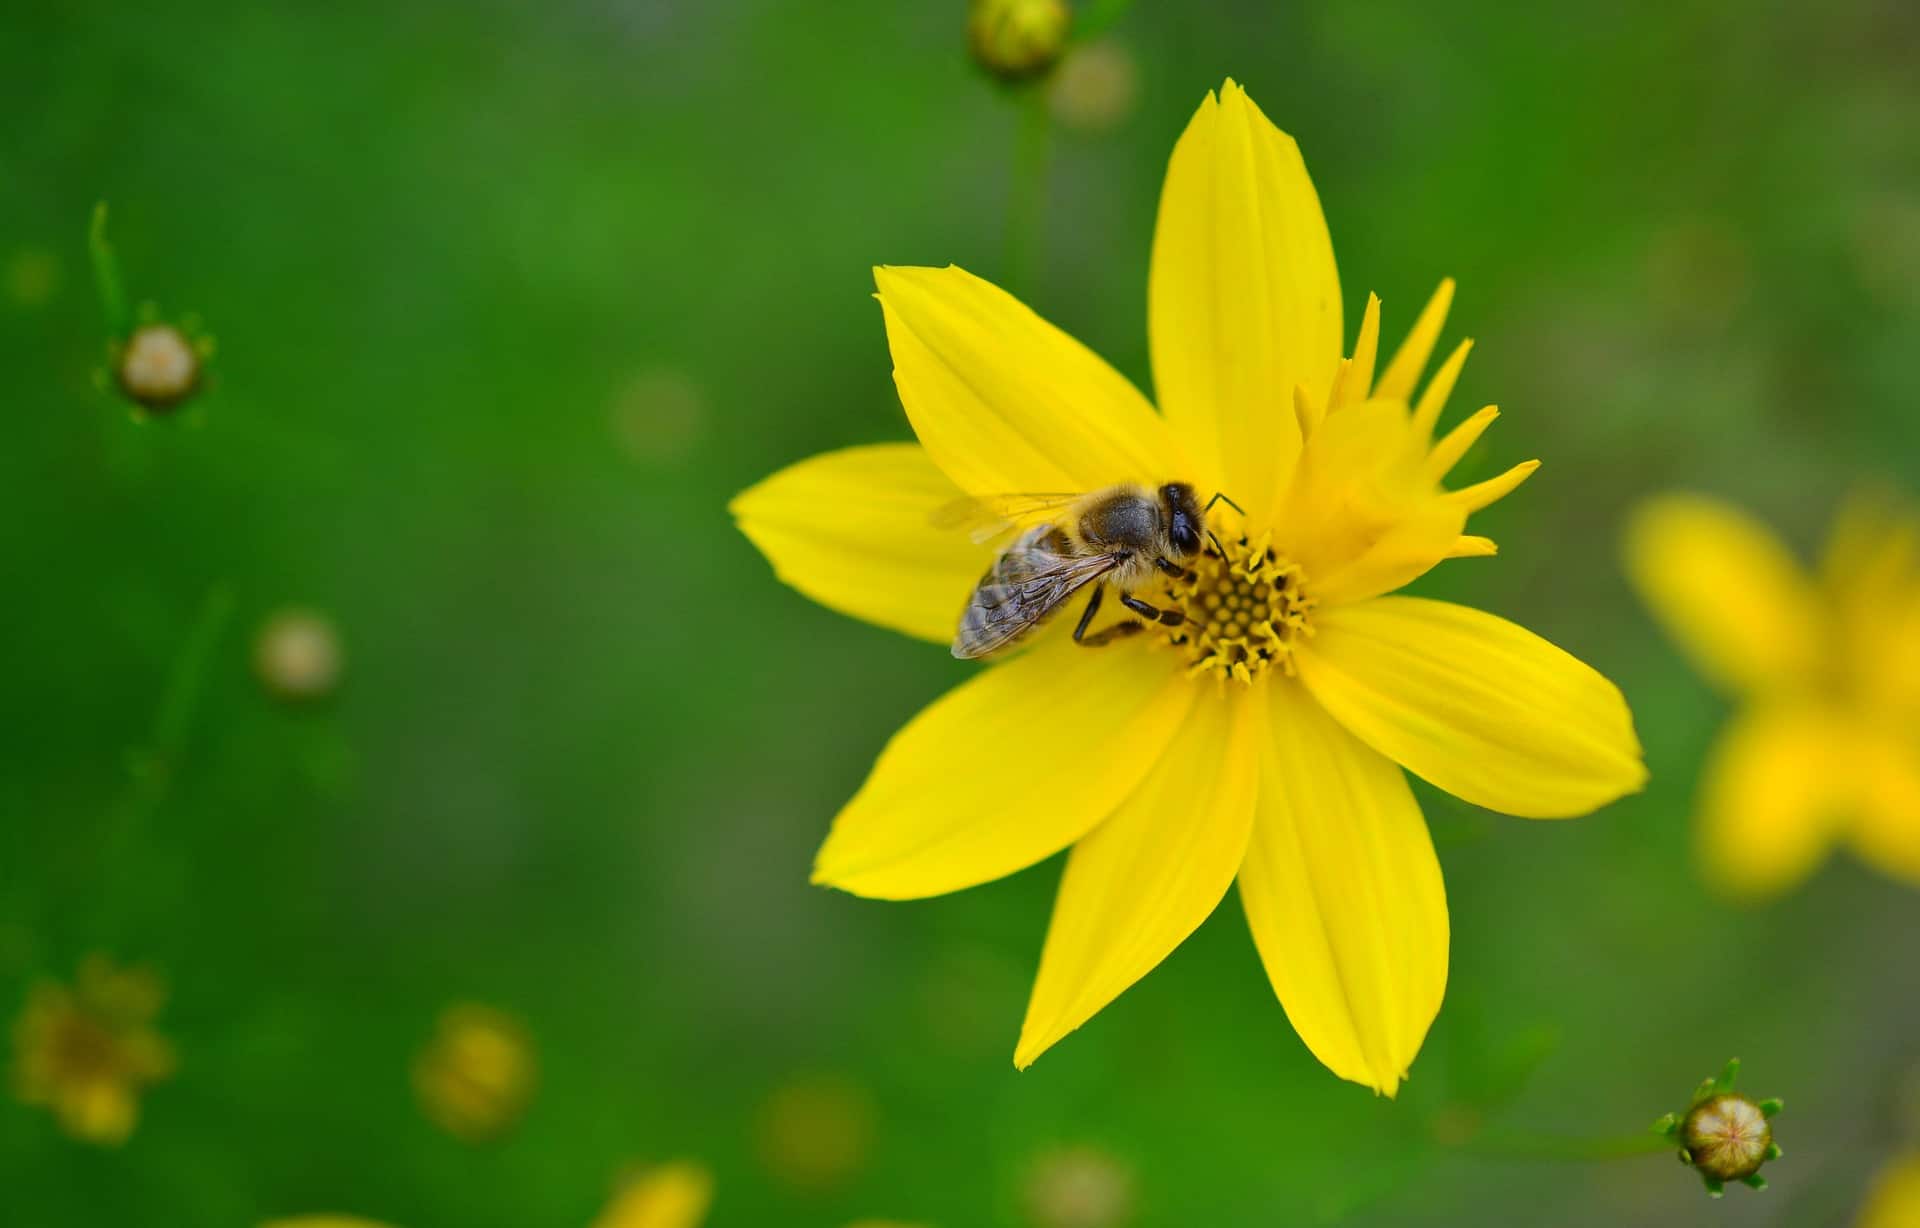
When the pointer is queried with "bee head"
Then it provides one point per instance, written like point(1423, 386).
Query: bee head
point(1185, 520)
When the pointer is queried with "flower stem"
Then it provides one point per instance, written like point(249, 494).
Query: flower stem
point(106, 275)
point(151, 767)
point(1027, 209)
point(1521, 1145)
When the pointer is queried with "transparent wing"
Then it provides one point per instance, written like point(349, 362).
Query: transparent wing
point(1028, 582)
point(986, 517)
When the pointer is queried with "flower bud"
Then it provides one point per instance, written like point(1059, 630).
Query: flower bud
point(1724, 1135)
point(158, 367)
point(476, 1076)
point(296, 655)
point(1017, 40)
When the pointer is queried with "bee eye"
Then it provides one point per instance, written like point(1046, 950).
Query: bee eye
point(1183, 536)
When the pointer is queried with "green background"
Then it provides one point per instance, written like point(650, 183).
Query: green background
point(586, 743)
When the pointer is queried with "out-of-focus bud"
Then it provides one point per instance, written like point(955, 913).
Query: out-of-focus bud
point(1095, 88)
point(158, 367)
point(297, 656)
point(1017, 40)
point(1079, 1187)
point(476, 1076)
point(814, 1133)
point(1724, 1135)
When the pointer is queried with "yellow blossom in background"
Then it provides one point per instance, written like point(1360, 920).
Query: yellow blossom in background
point(1825, 669)
point(815, 1132)
point(476, 1075)
point(674, 1195)
point(86, 1051)
point(1262, 742)
point(1894, 1201)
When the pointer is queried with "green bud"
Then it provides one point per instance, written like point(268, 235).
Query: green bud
point(1017, 40)
point(1724, 1135)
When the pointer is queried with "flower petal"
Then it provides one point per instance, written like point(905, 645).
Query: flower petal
point(1403, 372)
point(1343, 892)
point(1361, 517)
point(853, 530)
point(675, 1195)
point(1139, 883)
point(1770, 795)
point(1894, 1201)
point(1726, 588)
point(1004, 401)
point(1243, 297)
point(972, 789)
point(1484, 709)
point(1886, 830)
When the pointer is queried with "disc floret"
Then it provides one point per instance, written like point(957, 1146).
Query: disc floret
point(1246, 605)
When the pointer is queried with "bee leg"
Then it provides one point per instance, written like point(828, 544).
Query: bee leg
point(1093, 607)
point(1106, 635)
point(1173, 569)
point(1166, 618)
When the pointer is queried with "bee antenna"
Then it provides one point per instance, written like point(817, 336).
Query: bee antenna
point(1216, 543)
point(1220, 496)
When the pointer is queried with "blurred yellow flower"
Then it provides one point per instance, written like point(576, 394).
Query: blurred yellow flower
point(1894, 1201)
point(674, 1195)
point(86, 1052)
point(476, 1075)
point(1825, 669)
point(1262, 739)
point(814, 1132)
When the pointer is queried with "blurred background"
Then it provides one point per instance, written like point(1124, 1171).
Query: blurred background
point(509, 301)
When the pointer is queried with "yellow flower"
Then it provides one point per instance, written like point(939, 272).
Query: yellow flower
point(1262, 742)
point(86, 1052)
point(476, 1075)
point(1894, 1201)
point(1826, 670)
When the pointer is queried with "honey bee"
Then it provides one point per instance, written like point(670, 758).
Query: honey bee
point(1118, 538)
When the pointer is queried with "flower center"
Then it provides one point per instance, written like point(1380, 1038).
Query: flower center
point(1245, 609)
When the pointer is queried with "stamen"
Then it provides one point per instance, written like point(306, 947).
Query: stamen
point(1245, 608)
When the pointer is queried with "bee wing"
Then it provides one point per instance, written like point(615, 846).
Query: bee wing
point(986, 517)
point(1027, 583)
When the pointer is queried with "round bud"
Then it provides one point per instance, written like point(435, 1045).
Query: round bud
point(1016, 40)
point(297, 656)
point(158, 367)
point(1727, 1137)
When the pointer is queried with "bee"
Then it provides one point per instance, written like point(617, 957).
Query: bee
point(1117, 537)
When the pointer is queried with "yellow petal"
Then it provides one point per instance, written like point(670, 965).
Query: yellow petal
point(1403, 372)
point(1434, 400)
point(1343, 892)
point(1726, 589)
point(853, 530)
point(1769, 796)
point(1360, 516)
point(1358, 383)
point(1243, 299)
point(1484, 709)
point(1483, 494)
point(1006, 402)
point(975, 788)
point(1447, 453)
point(1470, 546)
point(675, 1195)
point(1886, 775)
point(1143, 880)
point(1894, 1201)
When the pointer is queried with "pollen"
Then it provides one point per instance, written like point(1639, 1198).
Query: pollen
point(1246, 607)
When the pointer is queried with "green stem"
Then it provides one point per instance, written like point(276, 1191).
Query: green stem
point(106, 276)
point(1094, 20)
point(1520, 1145)
point(1027, 210)
point(151, 767)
